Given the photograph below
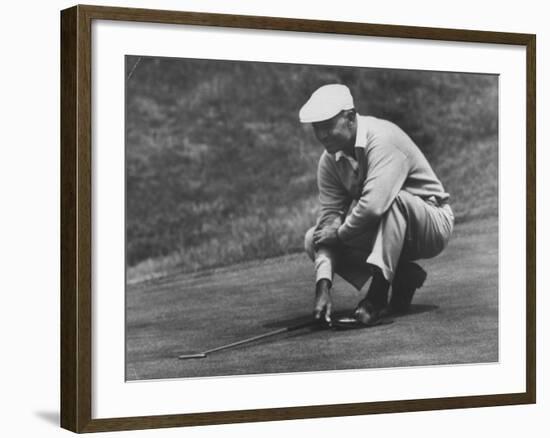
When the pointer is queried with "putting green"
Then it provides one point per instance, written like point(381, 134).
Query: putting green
point(454, 317)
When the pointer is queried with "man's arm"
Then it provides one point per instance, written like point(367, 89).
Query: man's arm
point(333, 198)
point(335, 202)
point(387, 170)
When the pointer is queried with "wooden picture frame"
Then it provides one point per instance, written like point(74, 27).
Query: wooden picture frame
point(76, 218)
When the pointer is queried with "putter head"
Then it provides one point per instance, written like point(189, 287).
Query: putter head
point(192, 356)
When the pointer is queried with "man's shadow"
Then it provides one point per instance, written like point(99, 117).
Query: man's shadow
point(415, 309)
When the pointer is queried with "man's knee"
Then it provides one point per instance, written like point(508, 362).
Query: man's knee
point(308, 243)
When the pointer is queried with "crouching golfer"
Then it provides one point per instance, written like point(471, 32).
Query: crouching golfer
point(382, 207)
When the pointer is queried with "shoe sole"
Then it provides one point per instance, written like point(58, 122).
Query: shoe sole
point(350, 323)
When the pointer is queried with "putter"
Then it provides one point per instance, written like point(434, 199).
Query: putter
point(203, 354)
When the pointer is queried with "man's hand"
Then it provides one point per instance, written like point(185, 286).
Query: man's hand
point(326, 236)
point(323, 301)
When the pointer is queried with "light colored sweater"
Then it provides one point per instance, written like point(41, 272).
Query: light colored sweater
point(387, 161)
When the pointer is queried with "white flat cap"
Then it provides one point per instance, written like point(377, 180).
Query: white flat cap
point(325, 103)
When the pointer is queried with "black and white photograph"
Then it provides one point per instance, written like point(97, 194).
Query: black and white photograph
point(291, 218)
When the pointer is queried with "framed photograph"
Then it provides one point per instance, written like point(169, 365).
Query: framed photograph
point(267, 218)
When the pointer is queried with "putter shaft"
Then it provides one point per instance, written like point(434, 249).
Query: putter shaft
point(247, 340)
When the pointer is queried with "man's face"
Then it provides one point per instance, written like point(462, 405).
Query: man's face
point(335, 134)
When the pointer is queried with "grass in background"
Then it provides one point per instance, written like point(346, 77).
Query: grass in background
point(219, 169)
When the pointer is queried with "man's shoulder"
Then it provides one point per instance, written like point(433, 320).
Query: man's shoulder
point(379, 126)
point(385, 134)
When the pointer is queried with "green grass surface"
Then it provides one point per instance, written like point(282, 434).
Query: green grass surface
point(454, 318)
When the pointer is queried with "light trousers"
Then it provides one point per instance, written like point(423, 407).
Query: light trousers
point(412, 228)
